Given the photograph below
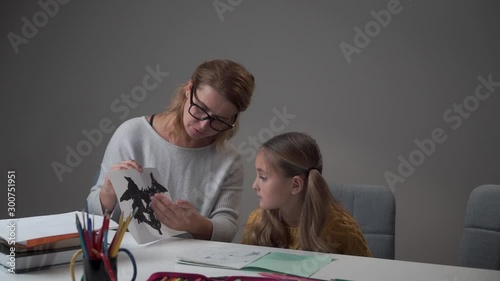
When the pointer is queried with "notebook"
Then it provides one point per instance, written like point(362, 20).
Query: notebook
point(239, 257)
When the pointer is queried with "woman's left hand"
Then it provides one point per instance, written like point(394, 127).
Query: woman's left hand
point(180, 215)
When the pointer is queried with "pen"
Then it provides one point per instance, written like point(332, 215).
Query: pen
point(94, 238)
point(105, 244)
point(107, 266)
point(87, 216)
point(292, 277)
point(105, 225)
point(84, 219)
point(90, 232)
point(82, 237)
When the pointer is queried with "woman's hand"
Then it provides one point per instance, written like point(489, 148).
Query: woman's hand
point(108, 194)
point(181, 216)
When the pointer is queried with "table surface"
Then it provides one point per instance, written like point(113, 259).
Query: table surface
point(161, 256)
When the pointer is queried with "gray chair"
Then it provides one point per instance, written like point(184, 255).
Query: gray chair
point(480, 247)
point(374, 208)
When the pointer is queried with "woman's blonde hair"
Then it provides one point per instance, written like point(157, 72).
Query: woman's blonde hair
point(297, 154)
point(226, 77)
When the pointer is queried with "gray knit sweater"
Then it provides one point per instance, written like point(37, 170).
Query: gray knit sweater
point(210, 179)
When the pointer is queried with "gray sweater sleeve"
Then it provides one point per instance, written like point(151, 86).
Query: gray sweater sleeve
point(227, 205)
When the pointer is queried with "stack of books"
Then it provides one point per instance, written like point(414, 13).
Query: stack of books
point(39, 242)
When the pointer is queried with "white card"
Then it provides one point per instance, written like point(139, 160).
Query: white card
point(134, 190)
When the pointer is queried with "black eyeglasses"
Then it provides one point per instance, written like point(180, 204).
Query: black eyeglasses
point(201, 114)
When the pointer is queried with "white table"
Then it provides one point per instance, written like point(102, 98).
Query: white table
point(160, 256)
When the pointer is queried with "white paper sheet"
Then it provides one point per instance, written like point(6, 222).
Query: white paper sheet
point(133, 190)
point(232, 257)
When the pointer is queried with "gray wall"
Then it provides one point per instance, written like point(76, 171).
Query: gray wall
point(69, 74)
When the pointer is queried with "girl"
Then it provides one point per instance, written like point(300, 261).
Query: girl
point(297, 210)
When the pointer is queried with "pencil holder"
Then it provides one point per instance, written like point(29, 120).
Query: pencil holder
point(95, 269)
point(101, 267)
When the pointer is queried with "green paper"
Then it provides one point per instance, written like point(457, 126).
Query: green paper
point(298, 265)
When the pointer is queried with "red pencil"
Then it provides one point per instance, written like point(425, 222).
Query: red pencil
point(105, 226)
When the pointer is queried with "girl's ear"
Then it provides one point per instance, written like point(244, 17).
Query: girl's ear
point(297, 184)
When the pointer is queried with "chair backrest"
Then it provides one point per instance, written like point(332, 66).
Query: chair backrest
point(374, 208)
point(480, 245)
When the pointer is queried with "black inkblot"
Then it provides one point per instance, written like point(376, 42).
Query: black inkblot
point(141, 200)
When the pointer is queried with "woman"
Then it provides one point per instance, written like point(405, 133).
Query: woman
point(188, 145)
point(297, 210)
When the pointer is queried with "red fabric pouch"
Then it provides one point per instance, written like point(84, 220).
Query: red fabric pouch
point(159, 276)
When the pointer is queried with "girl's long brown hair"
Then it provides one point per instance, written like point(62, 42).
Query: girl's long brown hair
point(297, 154)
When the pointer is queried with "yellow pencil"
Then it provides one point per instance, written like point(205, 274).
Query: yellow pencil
point(117, 239)
point(114, 241)
point(121, 233)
